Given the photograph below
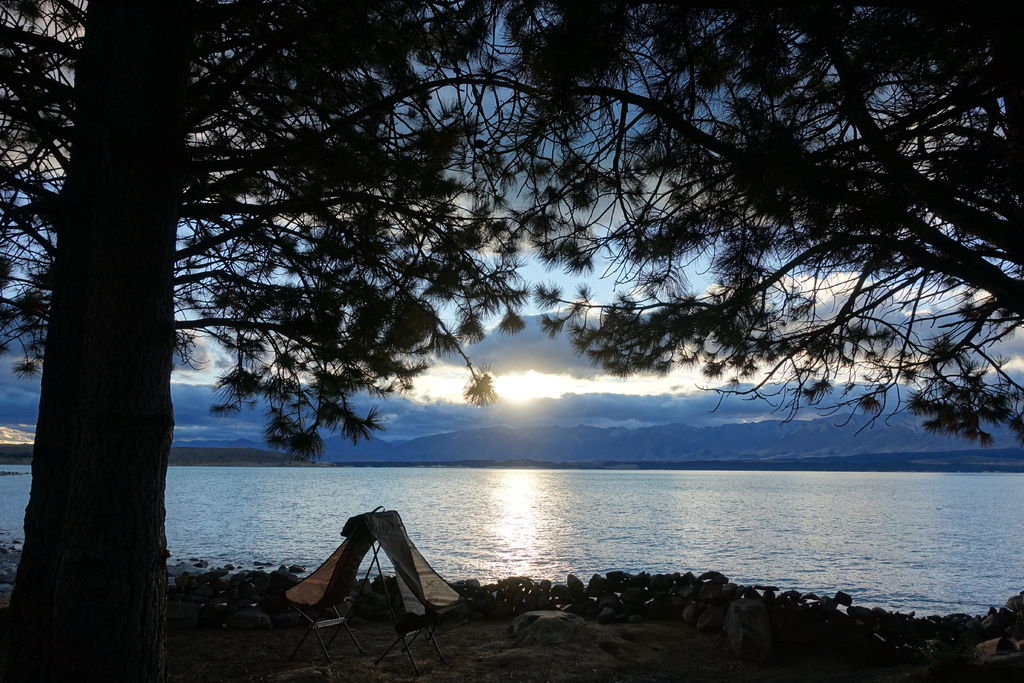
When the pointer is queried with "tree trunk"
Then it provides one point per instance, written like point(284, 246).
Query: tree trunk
point(89, 600)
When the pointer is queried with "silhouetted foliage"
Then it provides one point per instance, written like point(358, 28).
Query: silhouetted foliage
point(327, 230)
point(815, 204)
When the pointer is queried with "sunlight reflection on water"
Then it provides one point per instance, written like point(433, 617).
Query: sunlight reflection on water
point(936, 543)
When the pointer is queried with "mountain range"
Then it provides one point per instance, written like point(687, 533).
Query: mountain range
point(772, 441)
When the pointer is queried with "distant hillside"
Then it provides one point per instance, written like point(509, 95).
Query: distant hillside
point(756, 441)
point(15, 454)
point(206, 456)
point(801, 445)
point(231, 457)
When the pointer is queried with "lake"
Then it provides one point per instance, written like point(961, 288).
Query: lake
point(934, 543)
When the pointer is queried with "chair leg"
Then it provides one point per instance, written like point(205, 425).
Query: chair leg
point(322, 646)
point(304, 636)
point(354, 641)
point(433, 641)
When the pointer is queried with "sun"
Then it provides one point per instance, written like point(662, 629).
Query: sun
point(531, 385)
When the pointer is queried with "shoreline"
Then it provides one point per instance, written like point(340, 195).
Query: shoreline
point(816, 466)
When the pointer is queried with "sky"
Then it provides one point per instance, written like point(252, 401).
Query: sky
point(539, 381)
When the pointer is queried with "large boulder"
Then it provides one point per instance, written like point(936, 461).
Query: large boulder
point(545, 627)
point(711, 619)
point(749, 630)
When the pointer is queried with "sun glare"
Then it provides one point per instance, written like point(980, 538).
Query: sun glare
point(532, 385)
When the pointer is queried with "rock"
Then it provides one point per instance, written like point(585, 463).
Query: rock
point(249, 618)
point(711, 619)
point(205, 591)
point(178, 569)
point(598, 584)
point(280, 582)
point(634, 599)
point(575, 585)
point(713, 577)
point(635, 619)
point(864, 649)
point(562, 594)
point(610, 600)
point(607, 616)
point(584, 607)
point(842, 598)
point(1007, 644)
point(749, 630)
point(691, 614)
point(182, 614)
point(862, 614)
point(309, 674)
point(296, 569)
point(274, 603)
point(213, 614)
point(710, 592)
point(202, 564)
point(259, 580)
point(545, 627)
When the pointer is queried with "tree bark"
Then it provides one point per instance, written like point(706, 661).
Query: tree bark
point(90, 594)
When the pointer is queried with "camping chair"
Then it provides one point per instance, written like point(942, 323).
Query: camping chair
point(411, 617)
point(325, 589)
point(422, 596)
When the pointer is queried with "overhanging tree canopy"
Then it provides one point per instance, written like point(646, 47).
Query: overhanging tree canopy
point(326, 235)
point(846, 179)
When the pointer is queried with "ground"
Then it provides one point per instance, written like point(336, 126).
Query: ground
point(651, 652)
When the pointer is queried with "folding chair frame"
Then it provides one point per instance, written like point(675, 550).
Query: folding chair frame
point(404, 637)
point(315, 625)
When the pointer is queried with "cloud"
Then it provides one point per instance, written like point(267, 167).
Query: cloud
point(408, 417)
point(530, 349)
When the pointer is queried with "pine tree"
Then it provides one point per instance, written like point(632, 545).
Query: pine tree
point(846, 179)
point(284, 180)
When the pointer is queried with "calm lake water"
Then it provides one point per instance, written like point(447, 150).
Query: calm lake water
point(935, 543)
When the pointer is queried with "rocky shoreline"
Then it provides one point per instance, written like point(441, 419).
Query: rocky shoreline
point(757, 619)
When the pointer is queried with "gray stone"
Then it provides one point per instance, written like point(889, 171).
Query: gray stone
point(249, 618)
point(182, 614)
point(691, 614)
point(710, 592)
point(205, 590)
point(634, 599)
point(749, 630)
point(545, 627)
point(713, 577)
point(309, 674)
point(711, 619)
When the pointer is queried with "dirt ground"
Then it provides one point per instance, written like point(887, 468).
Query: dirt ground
point(650, 652)
point(654, 652)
